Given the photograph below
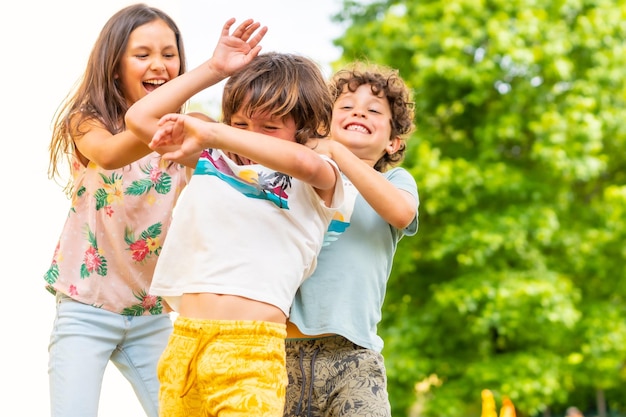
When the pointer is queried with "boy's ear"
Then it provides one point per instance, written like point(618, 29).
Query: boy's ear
point(393, 146)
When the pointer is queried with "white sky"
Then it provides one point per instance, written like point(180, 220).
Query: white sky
point(45, 48)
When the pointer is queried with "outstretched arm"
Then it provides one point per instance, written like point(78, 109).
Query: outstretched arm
point(396, 206)
point(233, 52)
point(288, 157)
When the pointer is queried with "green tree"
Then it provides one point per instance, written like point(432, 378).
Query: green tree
point(515, 281)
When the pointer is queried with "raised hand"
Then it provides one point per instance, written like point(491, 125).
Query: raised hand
point(236, 50)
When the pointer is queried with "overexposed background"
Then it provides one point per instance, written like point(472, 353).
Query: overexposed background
point(45, 49)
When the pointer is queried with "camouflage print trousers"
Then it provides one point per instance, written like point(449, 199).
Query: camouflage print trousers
point(332, 376)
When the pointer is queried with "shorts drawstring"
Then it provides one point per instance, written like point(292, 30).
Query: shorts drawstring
point(299, 407)
point(192, 370)
point(312, 380)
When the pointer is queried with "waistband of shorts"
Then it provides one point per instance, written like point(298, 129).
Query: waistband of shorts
point(196, 327)
point(335, 340)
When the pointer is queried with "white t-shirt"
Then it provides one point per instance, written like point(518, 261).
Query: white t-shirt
point(243, 230)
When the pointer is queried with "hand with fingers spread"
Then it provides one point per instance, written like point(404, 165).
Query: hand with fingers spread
point(236, 50)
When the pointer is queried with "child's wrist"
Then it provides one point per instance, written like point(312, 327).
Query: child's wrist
point(220, 75)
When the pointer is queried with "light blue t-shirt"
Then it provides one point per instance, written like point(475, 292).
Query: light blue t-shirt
point(345, 294)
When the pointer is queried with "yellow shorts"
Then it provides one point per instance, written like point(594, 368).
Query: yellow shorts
point(223, 367)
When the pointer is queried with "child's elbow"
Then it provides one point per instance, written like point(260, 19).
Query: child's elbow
point(403, 218)
point(110, 163)
point(315, 170)
point(130, 119)
point(134, 123)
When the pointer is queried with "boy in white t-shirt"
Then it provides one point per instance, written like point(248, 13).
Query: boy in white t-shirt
point(243, 237)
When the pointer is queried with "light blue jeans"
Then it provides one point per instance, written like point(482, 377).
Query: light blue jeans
point(83, 341)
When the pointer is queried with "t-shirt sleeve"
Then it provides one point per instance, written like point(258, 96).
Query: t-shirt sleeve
point(403, 180)
point(338, 195)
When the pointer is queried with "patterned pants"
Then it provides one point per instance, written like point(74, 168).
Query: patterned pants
point(225, 368)
point(332, 376)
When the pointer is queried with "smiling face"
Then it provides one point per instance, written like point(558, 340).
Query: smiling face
point(362, 122)
point(151, 58)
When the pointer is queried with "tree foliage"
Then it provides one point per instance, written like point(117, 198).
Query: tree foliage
point(515, 281)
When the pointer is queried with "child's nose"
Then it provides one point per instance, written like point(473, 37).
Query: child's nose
point(157, 65)
point(358, 112)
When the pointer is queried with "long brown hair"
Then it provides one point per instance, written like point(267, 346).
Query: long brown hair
point(97, 95)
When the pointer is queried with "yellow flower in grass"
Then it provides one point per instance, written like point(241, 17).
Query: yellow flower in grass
point(507, 409)
point(489, 404)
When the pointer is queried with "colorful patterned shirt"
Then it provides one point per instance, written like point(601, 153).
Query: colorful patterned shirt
point(114, 233)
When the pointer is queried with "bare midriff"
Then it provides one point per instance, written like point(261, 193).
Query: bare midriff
point(228, 307)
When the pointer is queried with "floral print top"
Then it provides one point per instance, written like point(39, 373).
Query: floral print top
point(114, 233)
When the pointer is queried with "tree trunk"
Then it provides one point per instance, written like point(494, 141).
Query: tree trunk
point(601, 403)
